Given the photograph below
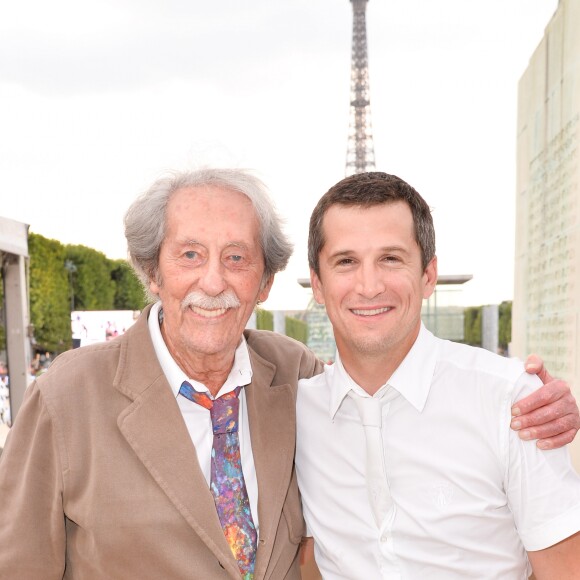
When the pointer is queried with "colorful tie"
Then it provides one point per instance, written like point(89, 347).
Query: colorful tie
point(227, 479)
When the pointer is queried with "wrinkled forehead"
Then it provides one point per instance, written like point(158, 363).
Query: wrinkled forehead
point(211, 210)
point(203, 194)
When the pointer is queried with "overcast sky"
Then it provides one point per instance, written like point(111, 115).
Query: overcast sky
point(98, 99)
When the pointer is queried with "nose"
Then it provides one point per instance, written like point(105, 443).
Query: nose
point(212, 280)
point(370, 281)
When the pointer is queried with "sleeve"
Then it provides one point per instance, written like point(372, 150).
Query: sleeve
point(543, 488)
point(310, 365)
point(32, 523)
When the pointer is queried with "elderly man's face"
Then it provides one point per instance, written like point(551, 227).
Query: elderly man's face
point(211, 249)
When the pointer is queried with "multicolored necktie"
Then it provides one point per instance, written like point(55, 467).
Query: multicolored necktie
point(227, 480)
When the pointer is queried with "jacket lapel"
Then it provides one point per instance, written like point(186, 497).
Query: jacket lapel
point(154, 427)
point(272, 418)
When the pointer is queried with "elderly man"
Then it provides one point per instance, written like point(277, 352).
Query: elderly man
point(114, 467)
point(405, 459)
point(168, 452)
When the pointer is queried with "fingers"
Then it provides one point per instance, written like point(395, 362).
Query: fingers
point(554, 391)
point(535, 366)
point(550, 414)
point(552, 429)
point(563, 408)
point(558, 440)
point(553, 422)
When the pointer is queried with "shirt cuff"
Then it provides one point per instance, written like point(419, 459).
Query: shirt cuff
point(552, 532)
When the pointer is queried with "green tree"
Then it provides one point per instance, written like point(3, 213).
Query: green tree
point(49, 294)
point(297, 329)
point(472, 326)
point(505, 324)
point(94, 289)
point(129, 292)
point(63, 278)
point(264, 320)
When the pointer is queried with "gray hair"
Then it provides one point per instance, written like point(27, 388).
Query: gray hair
point(145, 220)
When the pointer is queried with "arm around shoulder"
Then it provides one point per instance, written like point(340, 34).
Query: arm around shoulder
point(550, 414)
point(293, 359)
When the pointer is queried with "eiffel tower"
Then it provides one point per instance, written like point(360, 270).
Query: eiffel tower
point(360, 155)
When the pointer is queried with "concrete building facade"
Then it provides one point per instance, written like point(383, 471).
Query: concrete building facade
point(13, 259)
point(546, 307)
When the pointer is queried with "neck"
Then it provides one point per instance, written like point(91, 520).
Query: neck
point(212, 370)
point(213, 377)
point(369, 372)
point(371, 368)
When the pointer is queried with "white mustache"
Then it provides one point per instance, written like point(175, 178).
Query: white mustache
point(227, 299)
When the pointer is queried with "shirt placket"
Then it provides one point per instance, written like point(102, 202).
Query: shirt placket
point(389, 561)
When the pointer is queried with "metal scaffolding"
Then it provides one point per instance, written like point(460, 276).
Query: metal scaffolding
point(360, 156)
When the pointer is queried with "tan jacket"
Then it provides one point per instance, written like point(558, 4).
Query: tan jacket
point(99, 478)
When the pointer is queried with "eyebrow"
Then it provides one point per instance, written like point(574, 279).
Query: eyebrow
point(241, 245)
point(384, 249)
point(340, 254)
point(234, 244)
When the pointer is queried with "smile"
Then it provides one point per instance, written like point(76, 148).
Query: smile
point(372, 312)
point(209, 313)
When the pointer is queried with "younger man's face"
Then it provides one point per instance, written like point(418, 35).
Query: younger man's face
point(371, 279)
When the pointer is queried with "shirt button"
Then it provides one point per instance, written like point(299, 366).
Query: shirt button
point(384, 539)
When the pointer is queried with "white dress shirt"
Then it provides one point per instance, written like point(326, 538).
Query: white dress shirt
point(468, 496)
point(198, 419)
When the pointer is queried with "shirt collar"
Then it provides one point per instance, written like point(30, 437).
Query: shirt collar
point(341, 384)
point(411, 379)
point(240, 375)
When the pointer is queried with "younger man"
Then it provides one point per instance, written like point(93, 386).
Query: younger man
point(405, 458)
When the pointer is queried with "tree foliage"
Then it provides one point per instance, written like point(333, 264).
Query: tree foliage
point(63, 278)
point(93, 286)
point(264, 320)
point(505, 324)
point(472, 325)
point(49, 294)
point(297, 329)
point(129, 292)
